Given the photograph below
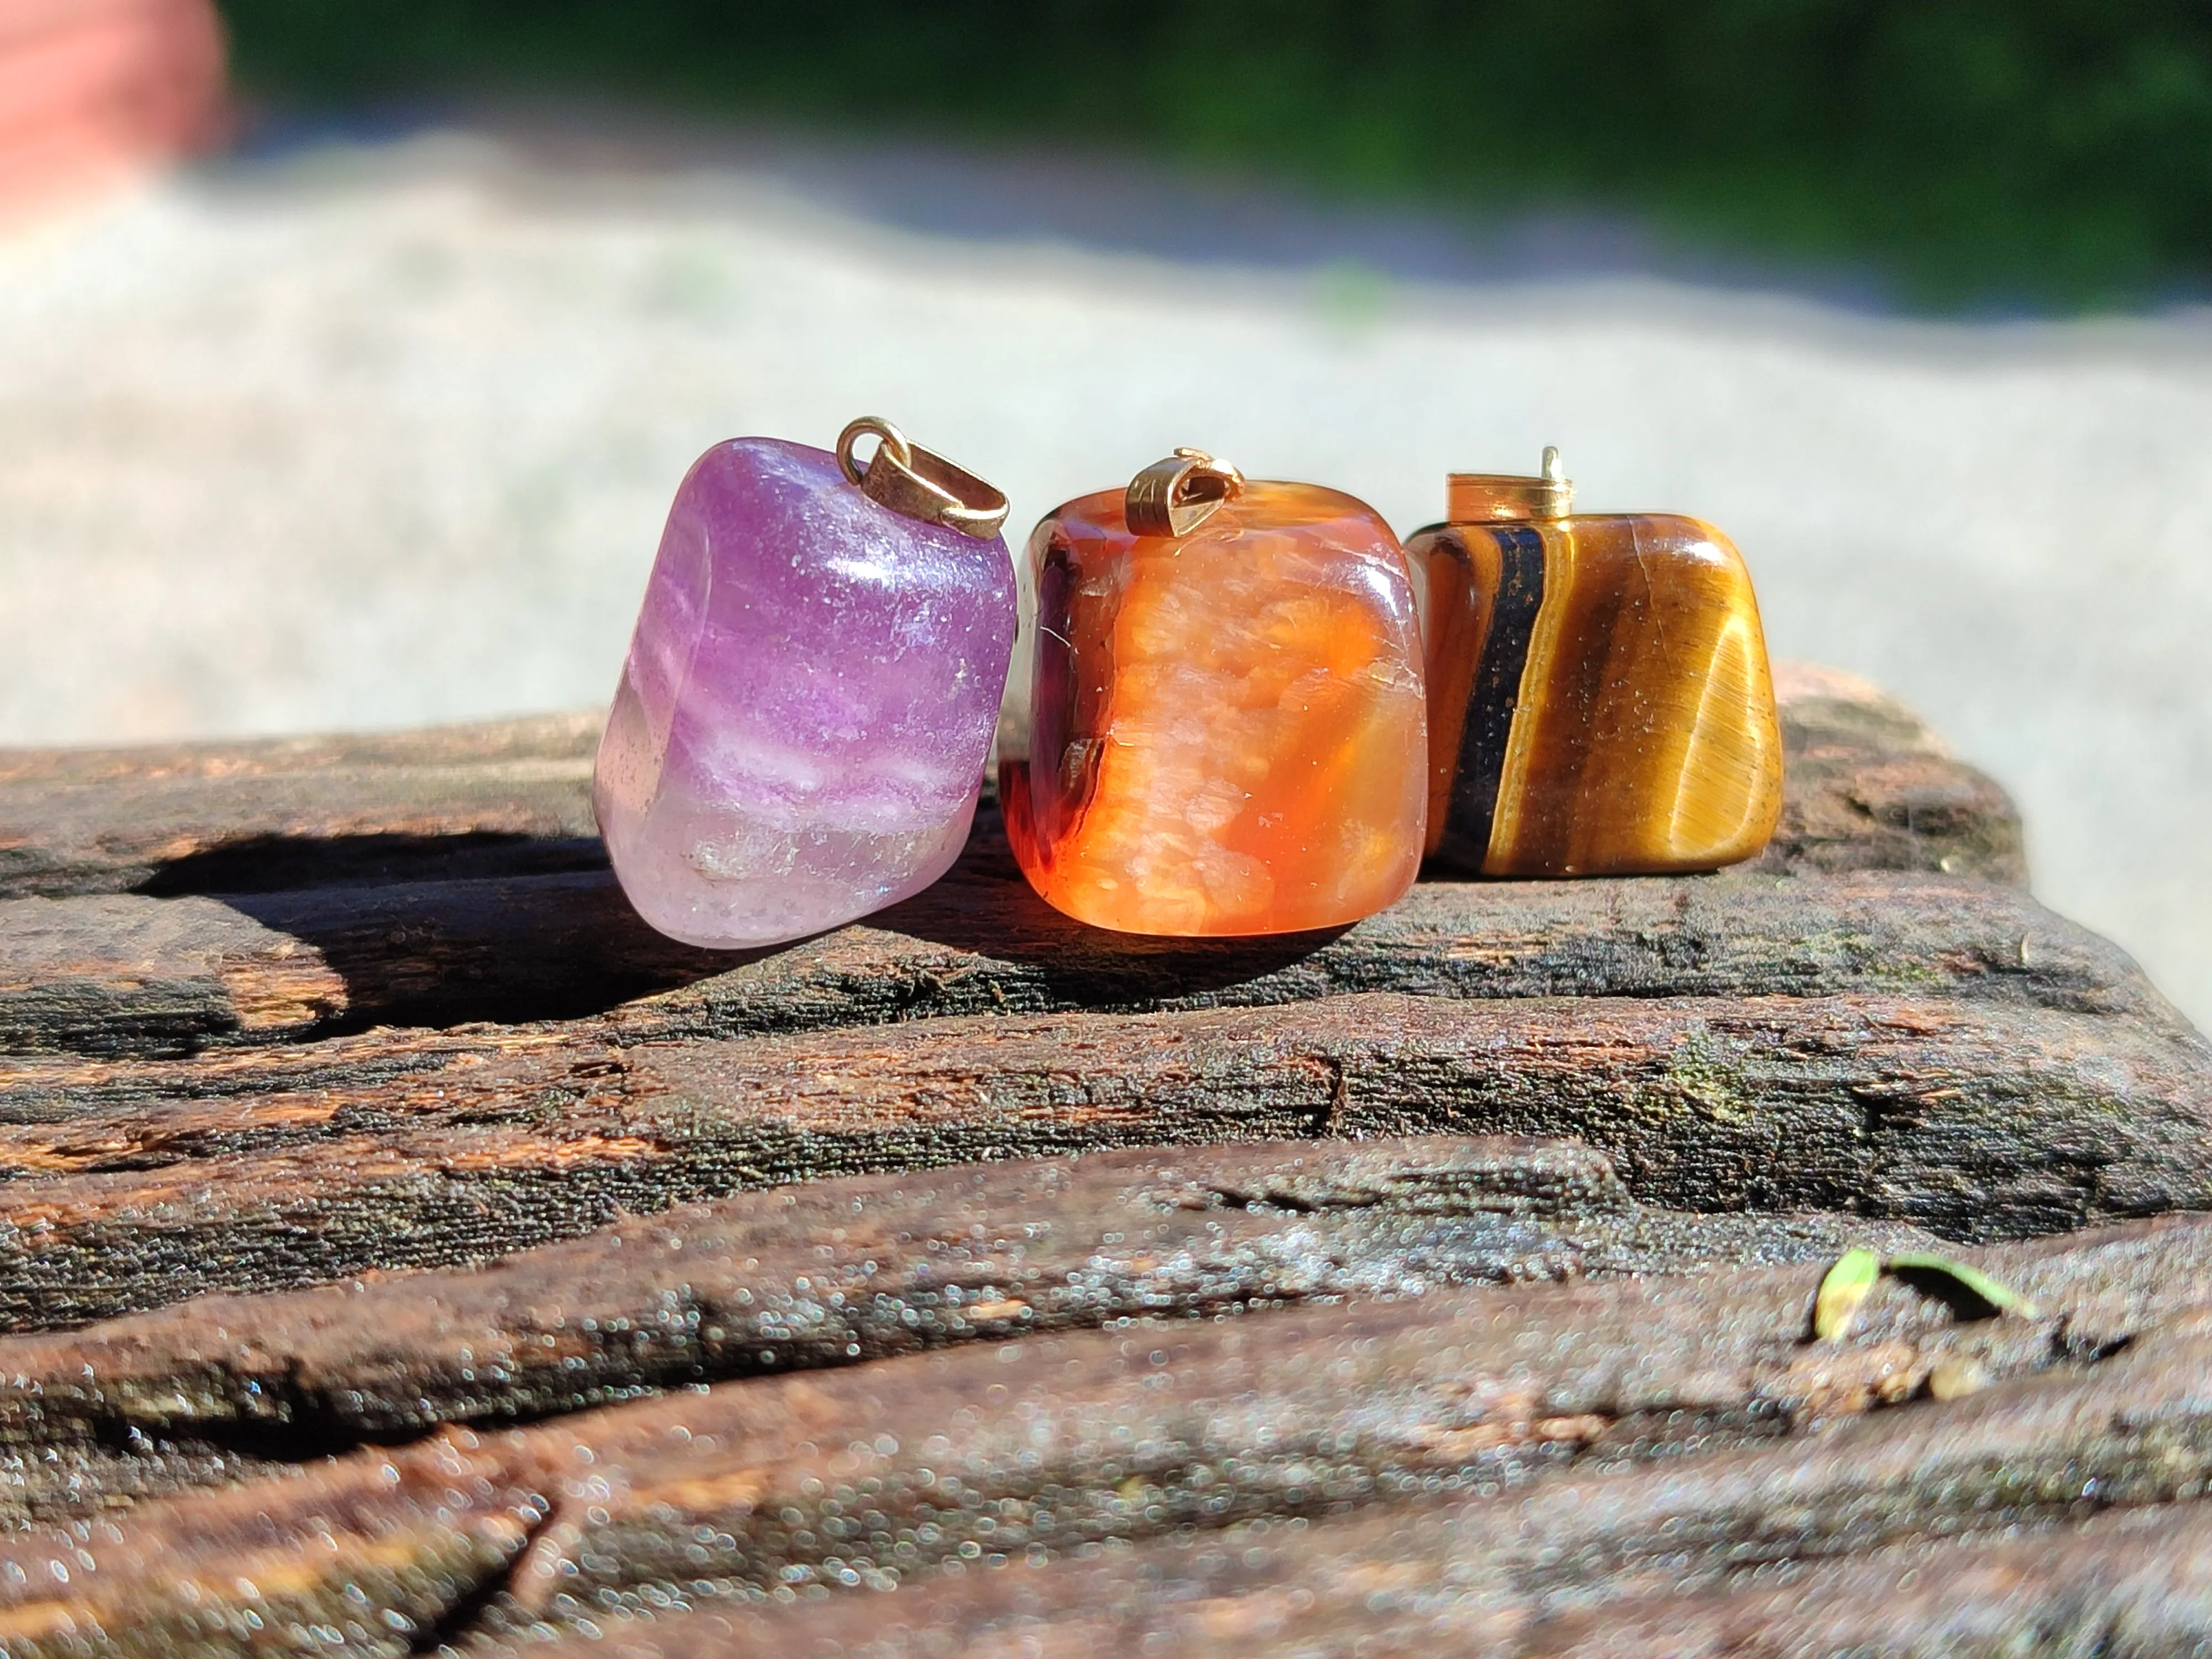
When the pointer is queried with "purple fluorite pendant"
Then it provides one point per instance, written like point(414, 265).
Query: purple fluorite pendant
point(802, 725)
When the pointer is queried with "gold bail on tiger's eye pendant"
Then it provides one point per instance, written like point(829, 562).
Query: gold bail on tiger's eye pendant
point(1478, 497)
point(1600, 700)
point(1227, 727)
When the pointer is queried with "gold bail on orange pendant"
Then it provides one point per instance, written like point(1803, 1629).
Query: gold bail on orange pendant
point(1174, 496)
point(907, 478)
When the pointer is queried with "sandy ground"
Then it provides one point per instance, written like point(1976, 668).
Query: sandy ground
point(378, 433)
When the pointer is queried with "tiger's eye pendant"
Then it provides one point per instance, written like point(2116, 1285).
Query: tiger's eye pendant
point(801, 729)
point(1599, 701)
point(1227, 723)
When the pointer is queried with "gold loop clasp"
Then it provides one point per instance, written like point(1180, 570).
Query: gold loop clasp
point(1512, 497)
point(1174, 496)
point(907, 478)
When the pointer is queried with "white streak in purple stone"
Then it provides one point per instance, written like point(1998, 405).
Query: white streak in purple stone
point(800, 731)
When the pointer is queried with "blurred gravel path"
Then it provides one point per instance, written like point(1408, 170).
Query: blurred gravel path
point(378, 436)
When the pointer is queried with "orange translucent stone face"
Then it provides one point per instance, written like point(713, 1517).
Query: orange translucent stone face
point(1228, 732)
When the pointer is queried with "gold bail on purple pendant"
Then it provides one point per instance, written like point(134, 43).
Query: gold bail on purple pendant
point(907, 478)
point(1481, 497)
point(1174, 496)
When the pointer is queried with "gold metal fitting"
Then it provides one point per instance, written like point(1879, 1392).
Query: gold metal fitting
point(907, 478)
point(1476, 497)
point(1173, 497)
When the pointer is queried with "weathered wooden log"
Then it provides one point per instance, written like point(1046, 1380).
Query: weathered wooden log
point(296, 1014)
point(123, 974)
point(1484, 1574)
point(1126, 1435)
point(119, 974)
point(1877, 791)
point(2136, 1584)
point(831, 1273)
point(881, 1472)
point(1870, 788)
point(353, 942)
point(131, 1184)
point(258, 815)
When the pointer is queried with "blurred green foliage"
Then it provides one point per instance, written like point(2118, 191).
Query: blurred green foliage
point(2040, 152)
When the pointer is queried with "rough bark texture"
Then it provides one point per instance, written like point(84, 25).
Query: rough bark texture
point(128, 1186)
point(829, 1273)
point(2136, 1584)
point(291, 812)
point(2131, 1584)
point(124, 975)
point(322, 928)
point(1872, 788)
point(1674, 1422)
point(403, 1249)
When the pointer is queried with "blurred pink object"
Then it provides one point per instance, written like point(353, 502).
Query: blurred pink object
point(92, 91)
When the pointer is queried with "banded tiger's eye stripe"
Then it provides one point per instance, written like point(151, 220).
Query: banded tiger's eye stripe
point(1600, 698)
point(1486, 586)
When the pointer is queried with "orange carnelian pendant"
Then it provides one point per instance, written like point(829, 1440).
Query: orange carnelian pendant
point(1599, 696)
point(1228, 731)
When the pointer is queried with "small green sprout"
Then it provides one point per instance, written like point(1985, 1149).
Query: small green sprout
point(1845, 1287)
point(1848, 1283)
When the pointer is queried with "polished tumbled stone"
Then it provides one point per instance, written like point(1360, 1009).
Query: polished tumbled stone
point(1227, 727)
point(802, 725)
